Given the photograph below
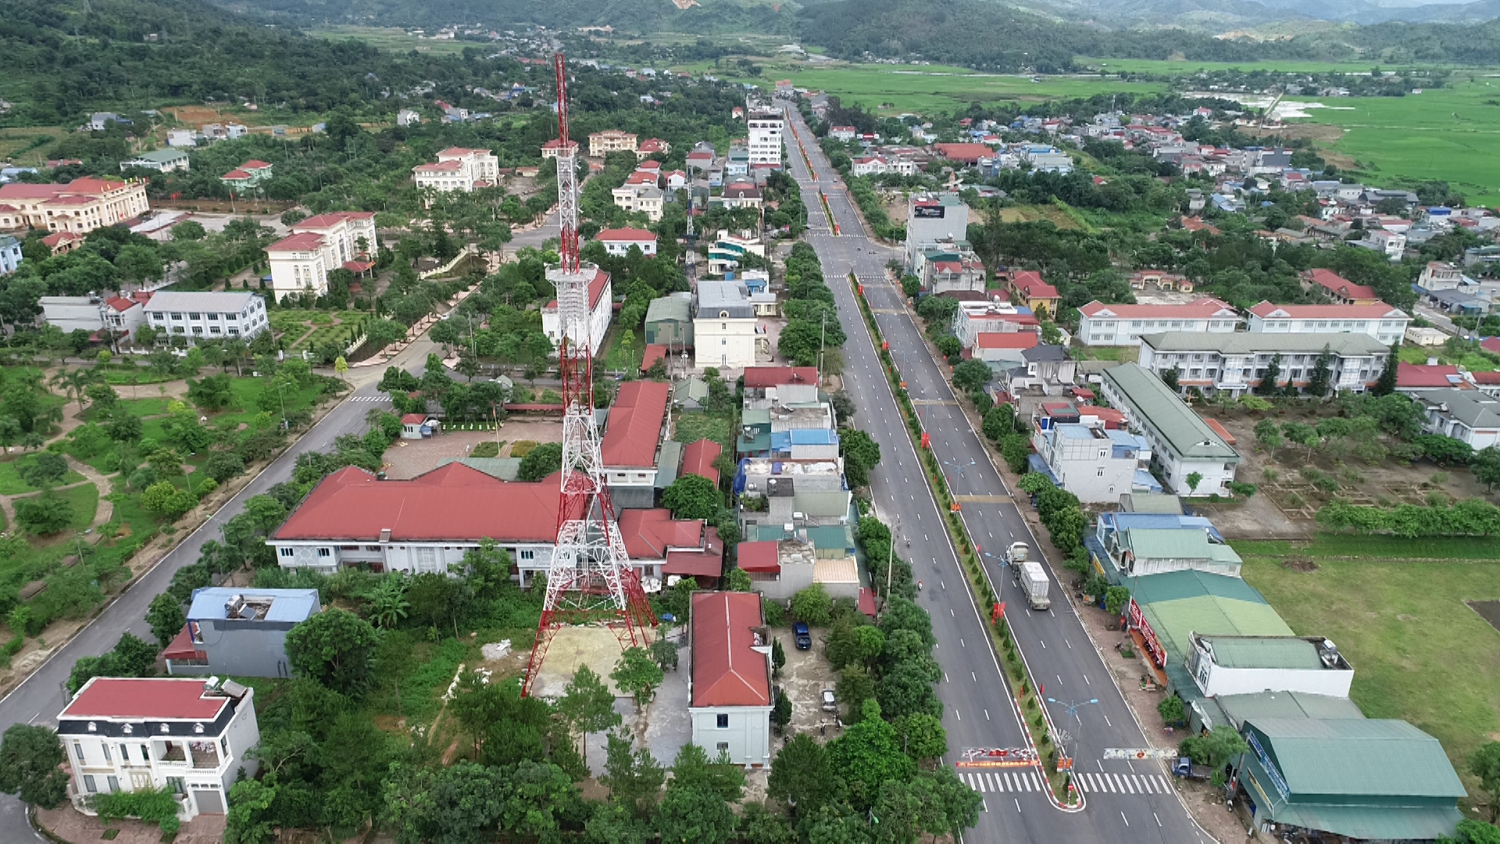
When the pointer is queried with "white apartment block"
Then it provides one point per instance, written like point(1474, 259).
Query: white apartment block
point(724, 326)
point(459, 169)
point(766, 129)
point(1122, 325)
point(207, 316)
point(1093, 463)
point(1383, 322)
point(318, 245)
point(184, 735)
point(1181, 443)
point(1236, 363)
point(611, 140)
point(78, 207)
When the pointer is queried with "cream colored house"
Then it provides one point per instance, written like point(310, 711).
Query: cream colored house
point(724, 326)
point(459, 169)
point(78, 207)
point(319, 245)
point(611, 140)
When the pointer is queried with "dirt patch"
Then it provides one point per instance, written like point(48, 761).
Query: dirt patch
point(196, 116)
point(1488, 610)
point(1302, 564)
point(803, 679)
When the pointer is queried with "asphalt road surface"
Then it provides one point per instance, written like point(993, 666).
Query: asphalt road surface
point(1124, 801)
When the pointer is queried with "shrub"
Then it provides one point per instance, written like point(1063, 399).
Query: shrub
point(486, 449)
point(1243, 490)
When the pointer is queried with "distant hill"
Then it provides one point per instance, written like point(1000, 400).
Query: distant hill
point(707, 16)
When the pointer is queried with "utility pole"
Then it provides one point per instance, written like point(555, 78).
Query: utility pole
point(822, 338)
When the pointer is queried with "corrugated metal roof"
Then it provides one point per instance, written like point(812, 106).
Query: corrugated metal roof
point(1381, 823)
point(292, 605)
point(1242, 708)
point(1147, 543)
point(1264, 652)
point(675, 307)
point(1358, 756)
point(1250, 342)
point(1155, 402)
point(1183, 602)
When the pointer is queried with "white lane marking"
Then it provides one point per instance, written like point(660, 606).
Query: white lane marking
point(1130, 784)
point(961, 642)
point(1059, 679)
point(1009, 786)
point(986, 715)
point(1086, 680)
point(1044, 643)
point(1066, 642)
point(1018, 805)
point(1131, 765)
point(950, 612)
point(1125, 819)
point(1107, 721)
point(1158, 820)
point(1114, 784)
point(956, 715)
point(945, 677)
point(1100, 764)
point(976, 678)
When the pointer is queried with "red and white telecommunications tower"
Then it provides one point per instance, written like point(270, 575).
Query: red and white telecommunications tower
point(589, 580)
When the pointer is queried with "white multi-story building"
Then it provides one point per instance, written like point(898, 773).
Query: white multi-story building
point(459, 169)
point(644, 198)
point(78, 207)
point(1237, 363)
point(601, 309)
point(724, 325)
point(1122, 325)
point(1470, 416)
point(1182, 444)
point(1383, 322)
point(188, 736)
point(975, 318)
point(207, 316)
point(766, 129)
point(730, 691)
point(932, 221)
point(1247, 665)
point(1096, 464)
point(319, 245)
point(10, 254)
point(1391, 244)
point(160, 160)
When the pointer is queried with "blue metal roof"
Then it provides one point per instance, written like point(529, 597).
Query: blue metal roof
point(291, 605)
point(1159, 521)
point(813, 436)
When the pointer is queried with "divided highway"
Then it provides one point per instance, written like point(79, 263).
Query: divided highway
point(1125, 801)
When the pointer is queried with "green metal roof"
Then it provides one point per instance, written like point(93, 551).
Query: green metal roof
point(761, 416)
point(1157, 404)
point(825, 504)
point(504, 468)
point(1252, 342)
point(162, 156)
point(1357, 757)
point(693, 389)
point(1183, 602)
point(1264, 652)
point(1153, 502)
point(1381, 823)
point(666, 465)
point(831, 537)
point(1155, 544)
point(1242, 708)
point(669, 308)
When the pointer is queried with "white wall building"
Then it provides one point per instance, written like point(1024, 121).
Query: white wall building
point(183, 735)
point(1093, 463)
point(1382, 322)
point(1470, 416)
point(1181, 443)
point(766, 129)
point(78, 207)
point(619, 241)
point(207, 316)
point(1237, 362)
point(601, 310)
point(933, 220)
point(160, 160)
point(1122, 325)
point(459, 169)
point(729, 693)
point(319, 245)
point(73, 313)
point(724, 326)
point(1247, 665)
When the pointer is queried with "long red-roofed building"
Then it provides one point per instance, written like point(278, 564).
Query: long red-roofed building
point(1338, 288)
point(459, 169)
point(758, 378)
point(419, 526)
point(730, 704)
point(132, 734)
point(631, 446)
point(664, 547)
point(698, 459)
point(1381, 321)
point(1123, 325)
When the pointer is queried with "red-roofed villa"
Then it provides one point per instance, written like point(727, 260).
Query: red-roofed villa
point(730, 704)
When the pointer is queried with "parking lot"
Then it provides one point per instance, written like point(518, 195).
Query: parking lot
point(803, 679)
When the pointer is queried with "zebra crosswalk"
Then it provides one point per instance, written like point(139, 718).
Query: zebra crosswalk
point(1106, 783)
point(1019, 781)
point(370, 398)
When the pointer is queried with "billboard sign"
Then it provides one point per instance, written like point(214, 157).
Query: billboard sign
point(1138, 621)
point(934, 211)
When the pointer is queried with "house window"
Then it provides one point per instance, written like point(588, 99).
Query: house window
point(325, 552)
point(124, 753)
point(287, 552)
point(177, 785)
point(1101, 472)
point(114, 784)
point(528, 554)
point(107, 757)
point(224, 746)
point(723, 747)
point(89, 785)
point(723, 721)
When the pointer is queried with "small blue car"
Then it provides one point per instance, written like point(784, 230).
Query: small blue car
point(804, 636)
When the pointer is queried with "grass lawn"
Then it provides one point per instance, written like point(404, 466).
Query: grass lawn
point(11, 482)
point(692, 427)
point(27, 146)
point(1034, 213)
point(138, 376)
point(1396, 610)
point(614, 351)
point(1185, 67)
point(1419, 355)
point(1444, 133)
point(84, 499)
point(1125, 354)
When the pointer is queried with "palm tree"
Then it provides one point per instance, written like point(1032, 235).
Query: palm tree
point(74, 382)
point(388, 604)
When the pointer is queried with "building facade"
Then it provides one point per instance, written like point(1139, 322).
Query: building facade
point(611, 140)
point(185, 736)
point(1380, 321)
point(1122, 325)
point(933, 220)
point(1238, 362)
point(1182, 444)
point(1093, 463)
point(618, 241)
point(78, 207)
point(10, 254)
point(239, 632)
point(459, 169)
point(160, 160)
point(631, 446)
point(765, 144)
point(207, 316)
point(725, 332)
point(301, 262)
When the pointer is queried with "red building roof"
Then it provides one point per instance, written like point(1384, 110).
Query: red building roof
point(1196, 309)
point(596, 289)
point(1490, 344)
point(1266, 310)
point(453, 502)
point(236, 175)
point(1030, 284)
point(650, 533)
point(323, 221)
point(635, 421)
point(182, 647)
point(304, 242)
point(867, 601)
point(626, 235)
point(698, 459)
point(1413, 375)
point(727, 670)
point(1338, 285)
point(1006, 340)
point(120, 303)
point(760, 557)
point(163, 698)
point(761, 377)
point(966, 153)
point(651, 354)
point(254, 164)
point(706, 562)
point(1485, 378)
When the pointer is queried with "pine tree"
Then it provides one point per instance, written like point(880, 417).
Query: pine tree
point(1387, 382)
point(1267, 385)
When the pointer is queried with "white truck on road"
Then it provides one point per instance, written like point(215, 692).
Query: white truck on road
point(1018, 553)
point(1033, 579)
